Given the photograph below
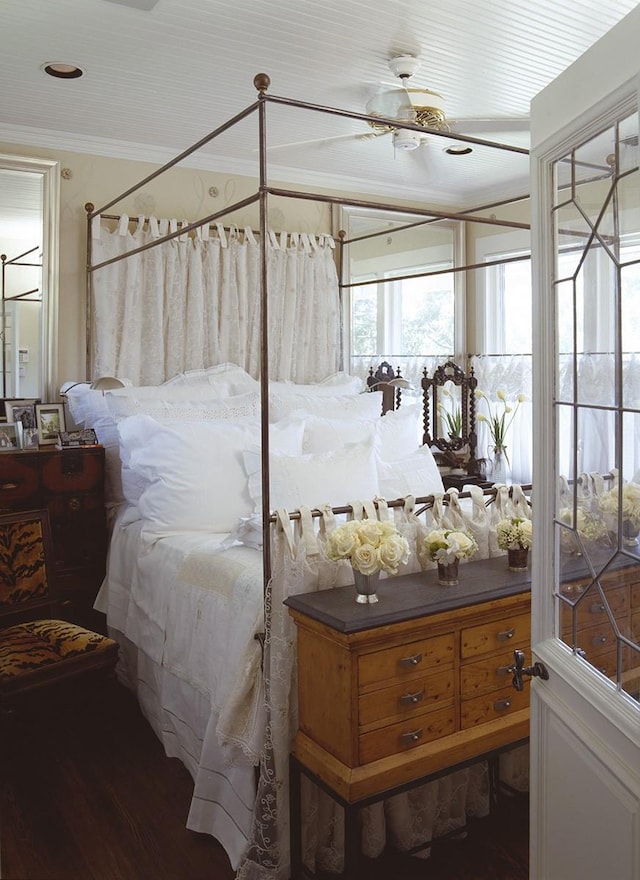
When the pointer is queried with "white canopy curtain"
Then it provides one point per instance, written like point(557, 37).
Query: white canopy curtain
point(194, 301)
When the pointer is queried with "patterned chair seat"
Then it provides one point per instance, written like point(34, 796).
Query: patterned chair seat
point(40, 651)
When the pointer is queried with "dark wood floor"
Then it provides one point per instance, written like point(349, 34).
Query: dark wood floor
point(86, 793)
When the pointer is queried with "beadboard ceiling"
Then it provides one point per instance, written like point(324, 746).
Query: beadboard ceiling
point(161, 75)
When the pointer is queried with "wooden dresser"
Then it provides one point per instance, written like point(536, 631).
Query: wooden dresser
point(394, 693)
point(69, 483)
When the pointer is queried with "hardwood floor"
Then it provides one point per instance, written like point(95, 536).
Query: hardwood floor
point(87, 793)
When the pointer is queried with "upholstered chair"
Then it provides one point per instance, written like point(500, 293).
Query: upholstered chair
point(36, 648)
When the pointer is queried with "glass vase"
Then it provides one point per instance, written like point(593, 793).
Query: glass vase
point(448, 574)
point(366, 586)
point(629, 533)
point(499, 465)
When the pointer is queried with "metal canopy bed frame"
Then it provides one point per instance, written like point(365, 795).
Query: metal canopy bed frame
point(264, 190)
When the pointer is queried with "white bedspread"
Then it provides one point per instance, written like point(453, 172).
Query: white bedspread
point(194, 610)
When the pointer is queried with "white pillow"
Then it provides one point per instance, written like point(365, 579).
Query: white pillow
point(240, 406)
point(397, 434)
point(336, 478)
point(338, 384)
point(189, 475)
point(416, 474)
point(339, 406)
point(228, 375)
point(192, 473)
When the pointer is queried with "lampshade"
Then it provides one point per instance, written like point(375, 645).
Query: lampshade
point(106, 383)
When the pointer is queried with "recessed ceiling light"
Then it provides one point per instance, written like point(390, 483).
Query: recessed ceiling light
point(458, 151)
point(62, 71)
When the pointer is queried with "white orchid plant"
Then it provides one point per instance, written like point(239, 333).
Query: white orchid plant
point(369, 545)
point(499, 418)
point(446, 545)
point(513, 533)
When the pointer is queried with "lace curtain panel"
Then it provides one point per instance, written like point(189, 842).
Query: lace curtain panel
point(194, 302)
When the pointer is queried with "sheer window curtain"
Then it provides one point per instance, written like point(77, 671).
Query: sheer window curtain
point(194, 302)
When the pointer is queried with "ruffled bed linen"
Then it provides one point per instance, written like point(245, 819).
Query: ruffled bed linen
point(186, 614)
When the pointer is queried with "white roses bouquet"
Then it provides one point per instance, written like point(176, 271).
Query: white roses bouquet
point(369, 545)
point(513, 533)
point(445, 545)
point(610, 500)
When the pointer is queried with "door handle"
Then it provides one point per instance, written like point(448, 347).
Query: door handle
point(538, 670)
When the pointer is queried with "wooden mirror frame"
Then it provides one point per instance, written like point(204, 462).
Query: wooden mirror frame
point(451, 372)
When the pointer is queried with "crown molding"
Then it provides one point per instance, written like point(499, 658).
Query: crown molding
point(111, 148)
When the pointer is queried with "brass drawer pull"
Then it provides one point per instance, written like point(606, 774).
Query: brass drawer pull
point(599, 640)
point(74, 504)
point(9, 485)
point(504, 670)
point(501, 705)
point(411, 737)
point(597, 608)
point(412, 699)
point(411, 661)
point(505, 635)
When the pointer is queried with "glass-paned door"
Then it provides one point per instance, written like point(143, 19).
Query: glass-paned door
point(596, 299)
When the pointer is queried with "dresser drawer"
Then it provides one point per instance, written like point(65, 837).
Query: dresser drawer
point(496, 635)
point(490, 674)
point(19, 482)
point(405, 699)
point(405, 661)
point(72, 471)
point(493, 705)
point(403, 736)
point(592, 610)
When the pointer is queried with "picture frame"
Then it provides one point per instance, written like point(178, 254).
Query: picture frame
point(9, 404)
point(19, 412)
point(50, 422)
point(8, 437)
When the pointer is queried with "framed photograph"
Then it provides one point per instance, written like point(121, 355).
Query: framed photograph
point(49, 421)
point(8, 437)
point(23, 413)
point(13, 403)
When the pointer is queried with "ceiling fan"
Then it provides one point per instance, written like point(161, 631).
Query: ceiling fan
point(419, 106)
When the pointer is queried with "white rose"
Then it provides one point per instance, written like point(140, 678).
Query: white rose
point(461, 544)
point(370, 532)
point(341, 543)
point(366, 559)
point(393, 552)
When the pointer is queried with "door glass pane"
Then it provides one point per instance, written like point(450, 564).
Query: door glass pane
point(597, 413)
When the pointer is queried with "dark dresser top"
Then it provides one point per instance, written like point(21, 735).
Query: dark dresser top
point(412, 595)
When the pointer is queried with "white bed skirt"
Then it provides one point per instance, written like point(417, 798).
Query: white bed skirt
point(184, 722)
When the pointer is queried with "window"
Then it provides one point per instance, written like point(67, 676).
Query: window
point(401, 301)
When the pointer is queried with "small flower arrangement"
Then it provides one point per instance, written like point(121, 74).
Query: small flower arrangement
point(514, 533)
point(369, 545)
point(445, 545)
point(590, 526)
point(499, 422)
point(610, 500)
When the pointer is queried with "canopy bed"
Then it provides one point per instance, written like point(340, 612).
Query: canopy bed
point(202, 558)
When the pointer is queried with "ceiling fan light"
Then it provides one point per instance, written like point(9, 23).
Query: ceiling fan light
point(406, 140)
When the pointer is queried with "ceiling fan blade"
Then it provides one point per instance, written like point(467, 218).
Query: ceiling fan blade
point(479, 125)
point(336, 137)
point(355, 136)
